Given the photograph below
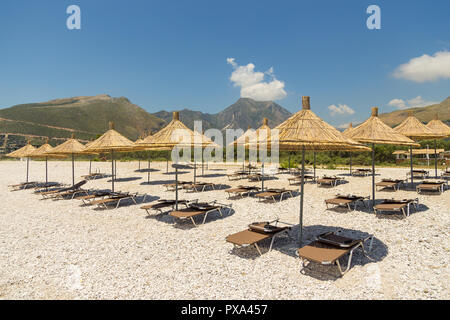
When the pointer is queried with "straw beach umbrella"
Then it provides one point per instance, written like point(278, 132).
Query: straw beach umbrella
point(176, 135)
point(112, 141)
point(306, 131)
point(374, 131)
point(69, 147)
point(23, 152)
point(440, 128)
point(412, 128)
point(44, 151)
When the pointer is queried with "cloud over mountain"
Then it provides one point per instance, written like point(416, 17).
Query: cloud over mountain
point(253, 83)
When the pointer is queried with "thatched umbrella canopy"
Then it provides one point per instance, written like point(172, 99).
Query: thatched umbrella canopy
point(44, 151)
point(24, 152)
point(69, 147)
point(112, 141)
point(176, 135)
point(306, 131)
point(438, 127)
point(412, 128)
point(375, 131)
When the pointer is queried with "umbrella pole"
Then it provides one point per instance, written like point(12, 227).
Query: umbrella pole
point(115, 169)
point(435, 160)
point(262, 176)
point(148, 172)
point(139, 161)
point(73, 170)
point(412, 175)
point(289, 159)
point(176, 187)
point(112, 170)
point(351, 163)
point(195, 172)
point(302, 189)
point(90, 164)
point(373, 175)
point(314, 166)
point(28, 166)
point(46, 171)
point(203, 170)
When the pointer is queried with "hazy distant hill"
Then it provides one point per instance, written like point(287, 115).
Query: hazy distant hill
point(84, 116)
point(245, 112)
point(424, 114)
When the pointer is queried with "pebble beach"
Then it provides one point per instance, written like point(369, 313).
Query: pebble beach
point(59, 249)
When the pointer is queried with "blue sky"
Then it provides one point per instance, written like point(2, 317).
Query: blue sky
point(173, 54)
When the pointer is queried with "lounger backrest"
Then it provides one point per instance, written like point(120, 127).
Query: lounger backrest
point(79, 184)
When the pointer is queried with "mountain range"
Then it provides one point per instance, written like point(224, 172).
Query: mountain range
point(88, 117)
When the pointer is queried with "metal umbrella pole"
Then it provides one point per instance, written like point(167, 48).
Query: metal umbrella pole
point(176, 187)
point(314, 165)
point(412, 173)
point(373, 175)
point(28, 166)
point(73, 170)
point(90, 164)
point(148, 172)
point(112, 169)
point(302, 192)
point(351, 163)
point(46, 171)
point(435, 160)
point(289, 160)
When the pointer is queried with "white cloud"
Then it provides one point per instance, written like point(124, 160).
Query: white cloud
point(416, 102)
point(252, 82)
point(340, 109)
point(426, 68)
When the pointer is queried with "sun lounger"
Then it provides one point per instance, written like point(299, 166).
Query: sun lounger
point(361, 172)
point(114, 198)
point(272, 194)
point(96, 175)
point(23, 185)
point(54, 193)
point(199, 186)
point(417, 174)
point(445, 175)
point(329, 248)
point(241, 191)
point(197, 209)
point(87, 199)
point(257, 232)
point(391, 205)
point(163, 203)
point(298, 179)
point(346, 201)
point(238, 175)
point(39, 187)
point(390, 183)
point(71, 194)
point(172, 186)
point(329, 181)
point(431, 186)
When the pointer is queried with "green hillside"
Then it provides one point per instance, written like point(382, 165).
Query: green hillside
point(424, 114)
point(85, 116)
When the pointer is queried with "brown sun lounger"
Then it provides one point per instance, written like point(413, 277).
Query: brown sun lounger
point(241, 191)
point(54, 193)
point(96, 175)
point(329, 181)
point(390, 183)
point(346, 201)
point(298, 179)
point(197, 209)
point(238, 175)
point(392, 205)
point(172, 186)
point(272, 194)
point(431, 186)
point(162, 204)
point(257, 232)
point(361, 172)
point(329, 248)
point(418, 174)
point(199, 186)
point(23, 185)
point(46, 185)
point(116, 198)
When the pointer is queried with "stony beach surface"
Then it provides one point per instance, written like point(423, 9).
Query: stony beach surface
point(62, 250)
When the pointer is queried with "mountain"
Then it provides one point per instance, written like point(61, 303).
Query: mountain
point(424, 114)
point(86, 117)
point(243, 113)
